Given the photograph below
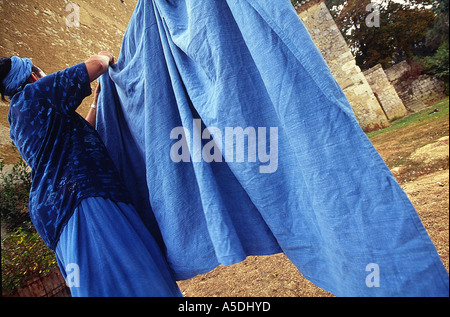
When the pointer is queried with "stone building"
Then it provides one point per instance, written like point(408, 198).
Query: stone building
point(417, 92)
point(385, 93)
point(329, 40)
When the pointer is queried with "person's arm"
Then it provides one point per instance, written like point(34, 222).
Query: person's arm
point(92, 114)
point(98, 64)
point(66, 89)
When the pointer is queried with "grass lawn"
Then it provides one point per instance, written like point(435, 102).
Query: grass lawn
point(421, 118)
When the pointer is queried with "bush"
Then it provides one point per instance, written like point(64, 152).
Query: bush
point(24, 254)
point(438, 64)
point(14, 192)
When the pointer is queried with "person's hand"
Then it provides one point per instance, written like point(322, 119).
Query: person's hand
point(98, 64)
point(109, 55)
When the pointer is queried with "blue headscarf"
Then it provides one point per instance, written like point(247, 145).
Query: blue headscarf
point(17, 76)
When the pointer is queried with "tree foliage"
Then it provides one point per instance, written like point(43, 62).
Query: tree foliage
point(438, 34)
point(14, 191)
point(438, 63)
point(401, 30)
point(24, 254)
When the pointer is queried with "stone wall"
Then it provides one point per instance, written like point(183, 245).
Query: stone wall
point(394, 73)
point(428, 89)
point(328, 38)
point(416, 91)
point(385, 93)
point(50, 285)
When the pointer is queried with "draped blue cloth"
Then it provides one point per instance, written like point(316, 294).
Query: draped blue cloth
point(96, 259)
point(317, 190)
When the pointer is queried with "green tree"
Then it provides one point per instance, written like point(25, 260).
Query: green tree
point(437, 65)
point(402, 27)
point(438, 34)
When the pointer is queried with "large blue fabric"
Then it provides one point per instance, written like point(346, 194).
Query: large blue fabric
point(97, 259)
point(326, 199)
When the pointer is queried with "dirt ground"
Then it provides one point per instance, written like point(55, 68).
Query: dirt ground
point(39, 30)
point(417, 155)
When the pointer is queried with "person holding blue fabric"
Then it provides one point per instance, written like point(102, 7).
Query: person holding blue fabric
point(78, 202)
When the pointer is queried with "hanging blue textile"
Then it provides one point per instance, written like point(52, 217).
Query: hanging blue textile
point(234, 140)
point(98, 261)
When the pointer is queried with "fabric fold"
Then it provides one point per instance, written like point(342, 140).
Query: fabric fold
point(275, 161)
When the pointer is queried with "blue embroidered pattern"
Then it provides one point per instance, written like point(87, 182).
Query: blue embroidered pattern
point(68, 159)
